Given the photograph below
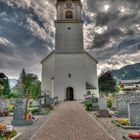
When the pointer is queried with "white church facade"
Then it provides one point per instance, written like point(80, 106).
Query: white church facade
point(69, 72)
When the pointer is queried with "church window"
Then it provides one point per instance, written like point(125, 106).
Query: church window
point(69, 75)
point(69, 28)
point(69, 14)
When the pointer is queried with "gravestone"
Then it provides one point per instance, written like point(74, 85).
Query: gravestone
point(103, 111)
point(49, 100)
point(18, 115)
point(55, 100)
point(19, 110)
point(12, 100)
point(102, 104)
point(35, 103)
point(1, 104)
point(95, 103)
point(114, 104)
point(134, 114)
point(5, 104)
point(135, 99)
point(122, 108)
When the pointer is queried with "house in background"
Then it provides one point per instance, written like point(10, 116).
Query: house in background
point(131, 85)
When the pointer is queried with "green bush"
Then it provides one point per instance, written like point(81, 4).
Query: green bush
point(44, 111)
point(109, 103)
point(14, 133)
point(35, 111)
point(88, 105)
point(12, 95)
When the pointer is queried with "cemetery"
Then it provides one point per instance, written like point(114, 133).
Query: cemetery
point(15, 109)
point(119, 112)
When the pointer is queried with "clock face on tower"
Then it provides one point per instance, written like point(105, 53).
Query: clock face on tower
point(68, 5)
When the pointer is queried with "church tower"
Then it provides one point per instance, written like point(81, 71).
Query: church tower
point(69, 27)
point(69, 72)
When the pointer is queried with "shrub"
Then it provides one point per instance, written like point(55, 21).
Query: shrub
point(44, 111)
point(35, 111)
point(12, 95)
point(109, 103)
point(88, 105)
point(13, 133)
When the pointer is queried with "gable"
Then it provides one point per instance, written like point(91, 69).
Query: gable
point(91, 56)
point(49, 55)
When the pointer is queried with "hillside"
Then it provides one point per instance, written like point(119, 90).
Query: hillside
point(128, 72)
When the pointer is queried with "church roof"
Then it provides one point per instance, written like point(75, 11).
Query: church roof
point(91, 55)
point(88, 53)
point(88, 86)
point(66, 0)
point(49, 54)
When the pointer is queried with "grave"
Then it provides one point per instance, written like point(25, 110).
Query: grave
point(1, 104)
point(135, 99)
point(134, 114)
point(114, 105)
point(103, 111)
point(35, 103)
point(55, 100)
point(95, 103)
point(12, 100)
point(122, 108)
point(102, 104)
point(5, 104)
point(88, 98)
point(18, 116)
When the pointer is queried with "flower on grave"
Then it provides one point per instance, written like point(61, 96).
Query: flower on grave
point(123, 121)
point(134, 135)
point(2, 126)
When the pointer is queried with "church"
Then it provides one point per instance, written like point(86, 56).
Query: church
point(69, 72)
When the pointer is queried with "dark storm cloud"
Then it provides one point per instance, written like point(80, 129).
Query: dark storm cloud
point(111, 31)
point(24, 39)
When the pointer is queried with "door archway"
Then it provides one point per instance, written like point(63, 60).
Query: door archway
point(69, 94)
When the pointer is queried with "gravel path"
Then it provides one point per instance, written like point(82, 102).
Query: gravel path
point(71, 122)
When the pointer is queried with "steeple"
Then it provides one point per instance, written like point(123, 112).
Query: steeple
point(68, 10)
point(66, 0)
point(69, 27)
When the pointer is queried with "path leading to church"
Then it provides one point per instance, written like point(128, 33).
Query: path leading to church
point(71, 122)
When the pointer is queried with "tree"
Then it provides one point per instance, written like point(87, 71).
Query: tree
point(108, 84)
point(30, 85)
point(5, 83)
point(21, 83)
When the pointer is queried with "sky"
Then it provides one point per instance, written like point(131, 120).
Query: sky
point(27, 32)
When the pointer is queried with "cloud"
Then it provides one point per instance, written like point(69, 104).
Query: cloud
point(111, 31)
point(5, 42)
point(36, 29)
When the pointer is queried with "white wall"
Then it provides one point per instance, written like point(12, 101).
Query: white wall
point(91, 73)
point(69, 41)
point(82, 69)
point(47, 74)
point(73, 64)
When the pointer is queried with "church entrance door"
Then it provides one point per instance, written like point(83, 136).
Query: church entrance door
point(69, 94)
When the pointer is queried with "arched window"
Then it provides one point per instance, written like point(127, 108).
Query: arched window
point(69, 14)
